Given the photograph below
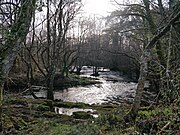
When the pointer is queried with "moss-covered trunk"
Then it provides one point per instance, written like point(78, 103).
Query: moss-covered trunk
point(140, 86)
point(143, 66)
point(15, 36)
point(1, 102)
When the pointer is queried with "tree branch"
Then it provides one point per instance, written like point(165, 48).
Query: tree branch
point(9, 3)
point(163, 31)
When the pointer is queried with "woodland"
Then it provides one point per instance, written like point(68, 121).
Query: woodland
point(44, 45)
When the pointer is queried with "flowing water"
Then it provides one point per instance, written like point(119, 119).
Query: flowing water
point(69, 111)
point(113, 87)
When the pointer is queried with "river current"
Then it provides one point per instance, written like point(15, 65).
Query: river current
point(113, 88)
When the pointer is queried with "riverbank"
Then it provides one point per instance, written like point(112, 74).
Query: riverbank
point(74, 88)
point(23, 116)
point(19, 82)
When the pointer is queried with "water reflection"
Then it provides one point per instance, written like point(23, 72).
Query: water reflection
point(113, 85)
point(69, 111)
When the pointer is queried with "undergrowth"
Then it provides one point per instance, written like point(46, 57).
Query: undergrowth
point(35, 117)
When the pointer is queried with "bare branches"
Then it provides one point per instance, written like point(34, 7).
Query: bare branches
point(128, 5)
point(9, 3)
point(122, 54)
point(163, 31)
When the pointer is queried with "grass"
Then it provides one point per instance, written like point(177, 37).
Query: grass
point(36, 117)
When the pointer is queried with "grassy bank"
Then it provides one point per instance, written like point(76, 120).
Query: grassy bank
point(20, 82)
point(37, 117)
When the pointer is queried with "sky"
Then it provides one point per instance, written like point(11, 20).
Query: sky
point(99, 7)
point(102, 7)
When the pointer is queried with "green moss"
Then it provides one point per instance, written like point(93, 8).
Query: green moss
point(42, 119)
point(70, 104)
point(11, 122)
point(40, 107)
point(17, 101)
point(73, 80)
point(79, 129)
point(7, 123)
point(18, 122)
point(155, 119)
point(81, 115)
point(162, 111)
point(49, 115)
point(37, 128)
point(19, 81)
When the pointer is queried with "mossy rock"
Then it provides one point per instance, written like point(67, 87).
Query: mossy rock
point(49, 115)
point(60, 118)
point(40, 107)
point(81, 115)
point(70, 104)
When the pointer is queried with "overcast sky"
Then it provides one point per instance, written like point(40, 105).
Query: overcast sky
point(99, 7)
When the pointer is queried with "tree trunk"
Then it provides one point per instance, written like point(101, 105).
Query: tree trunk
point(143, 67)
point(1, 101)
point(50, 82)
point(50, 94)
point(15, 37)
point(168, 60)
point(140, 87)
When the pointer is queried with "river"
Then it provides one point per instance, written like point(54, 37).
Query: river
point(113, 88)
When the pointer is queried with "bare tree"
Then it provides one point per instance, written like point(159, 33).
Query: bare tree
point(16, 33)
point(56, 51)
point(155, 19)
point(146, 57)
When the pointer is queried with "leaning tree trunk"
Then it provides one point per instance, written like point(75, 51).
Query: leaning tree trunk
point(140, 87)
point(9, 50)
point(143, 67)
